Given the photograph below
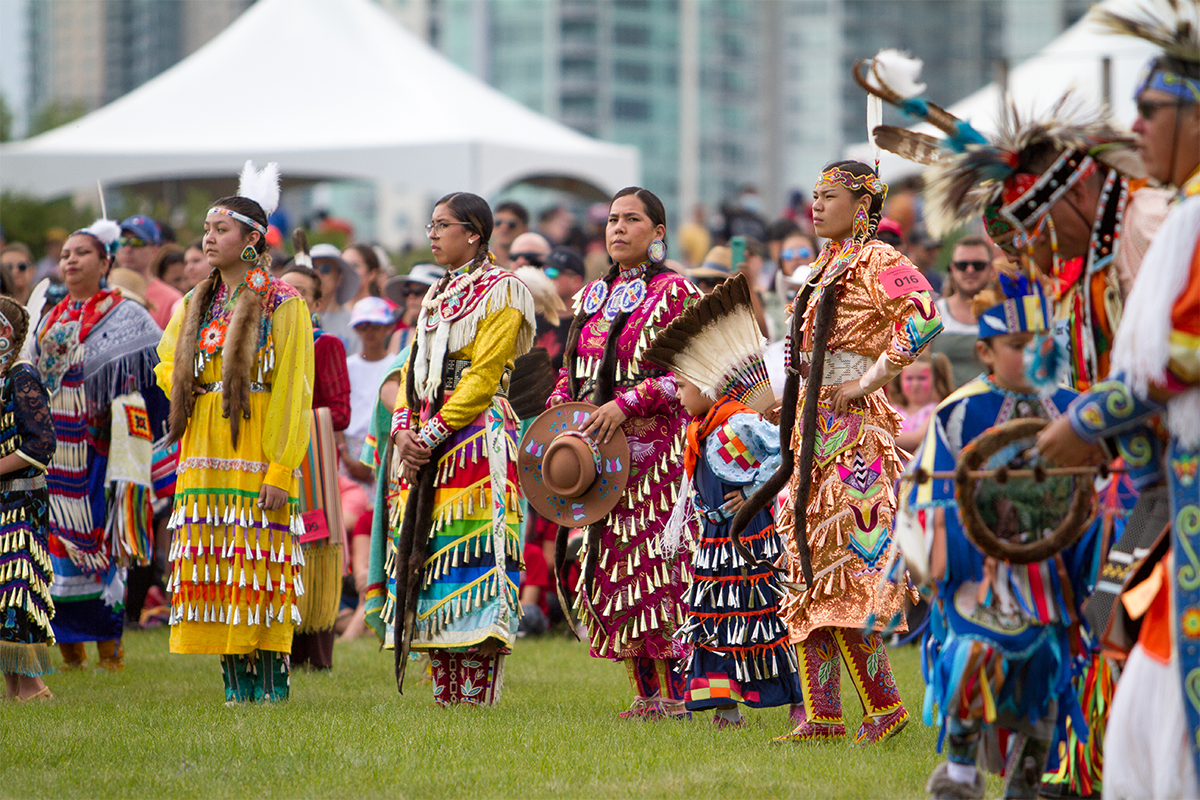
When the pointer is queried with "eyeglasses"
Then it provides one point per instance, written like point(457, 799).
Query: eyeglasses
point(21, 266)
point(507, 223)
point(973, 266)
point(796, 252)
point(131, 241)
point(440, 227)
point(1148, 108)
point(532, 259)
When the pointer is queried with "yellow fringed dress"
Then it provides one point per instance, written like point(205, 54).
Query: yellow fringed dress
point(234, 566)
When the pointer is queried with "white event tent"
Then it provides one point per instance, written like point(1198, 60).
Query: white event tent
point(329, 89)
point(1073, 61)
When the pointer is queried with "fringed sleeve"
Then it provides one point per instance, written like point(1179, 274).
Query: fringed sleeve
point(495, 346)
point(286, 429)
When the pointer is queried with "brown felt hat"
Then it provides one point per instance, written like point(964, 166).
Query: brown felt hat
point(570, 478)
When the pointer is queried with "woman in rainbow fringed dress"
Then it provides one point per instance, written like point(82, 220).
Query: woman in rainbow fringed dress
point(237, 362)
point(26, 445)
point(458, 552)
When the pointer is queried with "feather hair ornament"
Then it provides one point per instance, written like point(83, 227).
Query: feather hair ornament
point(106, 230)
point(261, 186)
point(300, 248)
point(717, 345)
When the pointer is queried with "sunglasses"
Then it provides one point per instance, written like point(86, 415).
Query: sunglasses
point(21, 266)
point(796, 252)
point(325, 268)
point(1148, 108)
point(507, 223)
point(532, 259)
point(973, 266)
point(131, 241)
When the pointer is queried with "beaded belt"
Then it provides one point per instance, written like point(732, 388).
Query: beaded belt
point(255, 386)
point(842, 366)
point(452, 374)
point(714, 515)
point(24, 484)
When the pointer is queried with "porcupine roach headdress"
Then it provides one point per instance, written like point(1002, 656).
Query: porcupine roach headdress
point(717, 345)
point(241, 341)
point(969, 175)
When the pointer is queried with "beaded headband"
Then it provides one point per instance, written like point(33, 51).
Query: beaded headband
point(840, 177)
point(229, 212)
point(1155, 77)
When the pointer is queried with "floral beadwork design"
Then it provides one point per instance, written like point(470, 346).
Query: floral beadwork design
point(212, 336)
point(258, 280)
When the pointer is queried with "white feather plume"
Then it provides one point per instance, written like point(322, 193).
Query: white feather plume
point(898, 71)
point(261, 186)
point(105, 230)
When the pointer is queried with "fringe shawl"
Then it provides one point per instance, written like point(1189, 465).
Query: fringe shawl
point(1142, 346)
point(237, 366)
point(451, 336)
point(120, 353)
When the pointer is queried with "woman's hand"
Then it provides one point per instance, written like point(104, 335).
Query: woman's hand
point(604, 422)
point(271, 498)
point(198, 387)
point(734, 501)
point(409, 448)
point(556, 400)
point(408, 474)
point(771, 415)
point(844, 392)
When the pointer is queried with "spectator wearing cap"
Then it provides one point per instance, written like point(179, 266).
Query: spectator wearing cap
point(339, 285)
point(512, 220)
point(565, 267)
point(530, 249)
point(406, 293)
point(47, 266)
point(18, 261)
point(139, 243)
point(373, 321)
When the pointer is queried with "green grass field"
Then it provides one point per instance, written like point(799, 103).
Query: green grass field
point(160, 729)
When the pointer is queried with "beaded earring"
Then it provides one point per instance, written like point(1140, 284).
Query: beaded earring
point(862, 224)
point(657, 251)
point(249, 253)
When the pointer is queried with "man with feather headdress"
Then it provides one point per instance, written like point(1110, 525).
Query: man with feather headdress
point(1067, 192)
point(1153, 742)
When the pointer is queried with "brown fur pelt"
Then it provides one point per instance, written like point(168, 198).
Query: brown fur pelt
point(237, 367)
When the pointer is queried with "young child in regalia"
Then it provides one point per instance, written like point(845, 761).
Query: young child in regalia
point(741, 653)
point(1000, 649)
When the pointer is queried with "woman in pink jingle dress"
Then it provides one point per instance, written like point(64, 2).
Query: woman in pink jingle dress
point(629, 596)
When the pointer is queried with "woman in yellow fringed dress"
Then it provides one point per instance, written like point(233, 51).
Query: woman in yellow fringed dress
point(237, 362)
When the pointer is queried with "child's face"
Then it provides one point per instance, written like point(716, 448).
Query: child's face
point(373, 334)
point(690, 395)
point(917, 384)
point(1004, 356)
